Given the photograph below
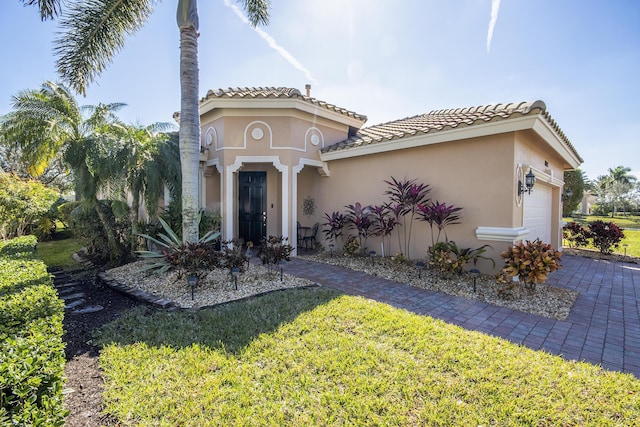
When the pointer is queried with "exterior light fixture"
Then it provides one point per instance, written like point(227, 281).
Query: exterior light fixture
point(331, 246)
point(420, 265)
point(529, 182)
point(474, 273)
point(372, 254)
point(192, 281)
point(235, 272)
point(567, 195)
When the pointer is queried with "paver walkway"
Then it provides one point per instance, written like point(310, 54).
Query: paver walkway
point(603, 326)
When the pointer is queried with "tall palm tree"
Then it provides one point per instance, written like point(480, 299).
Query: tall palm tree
point(621, 174)
point(47, 124)
point(95, 30)
point(622, 183)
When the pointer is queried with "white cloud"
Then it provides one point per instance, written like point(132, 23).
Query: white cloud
point(495, 6)
point(273, 44)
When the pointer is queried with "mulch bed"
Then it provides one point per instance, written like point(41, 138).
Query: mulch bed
point(83, 394)
point(589, 253)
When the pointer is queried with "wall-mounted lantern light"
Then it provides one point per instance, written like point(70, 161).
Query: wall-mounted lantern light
point(529, 182)
point(567, 195)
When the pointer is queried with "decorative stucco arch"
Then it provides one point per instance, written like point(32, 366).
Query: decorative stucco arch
point(230, 201)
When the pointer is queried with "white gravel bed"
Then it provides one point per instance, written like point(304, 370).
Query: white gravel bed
point(216, 288)
point(544, 300)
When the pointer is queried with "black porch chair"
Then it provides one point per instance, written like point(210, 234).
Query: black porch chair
point(309, 241)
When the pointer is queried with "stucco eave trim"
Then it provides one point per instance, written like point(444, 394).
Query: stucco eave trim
point(501, 234)
point(546, 132)
point(280, 104)
point(423, 139)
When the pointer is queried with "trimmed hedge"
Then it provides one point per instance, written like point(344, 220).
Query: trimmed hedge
point(31, 347)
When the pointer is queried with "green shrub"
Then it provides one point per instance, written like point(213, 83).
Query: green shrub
point(65, 210)
point(23, 205)
point(448, 258)
point(23, 244)
point(87, 226)
point(31, 346)
point(351, 246)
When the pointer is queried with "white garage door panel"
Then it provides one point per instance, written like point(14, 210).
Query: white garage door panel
point(537, 213)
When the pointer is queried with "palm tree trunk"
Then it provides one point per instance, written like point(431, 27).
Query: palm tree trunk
point(133, 217)
point(189, 130)
point(115, 251)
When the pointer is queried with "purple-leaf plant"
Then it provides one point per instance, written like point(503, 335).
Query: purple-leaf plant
point(385, 221)
point(334, 226)
point(359, 217)
point(439, 215)
point(406, 196)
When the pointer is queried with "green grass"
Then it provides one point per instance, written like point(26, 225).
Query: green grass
point(58, 251)
point(315, 357)
point(632, 237)
point(621, 221)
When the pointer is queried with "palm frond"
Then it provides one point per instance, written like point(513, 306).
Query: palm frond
point(257, 11)
point(94, 31)
point(49, 9)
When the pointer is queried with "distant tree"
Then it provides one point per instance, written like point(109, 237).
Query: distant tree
point(56, 175)
point(25, 205)
point(575, 181)
point(621, 174)
point(615, 189)
point(47, 124)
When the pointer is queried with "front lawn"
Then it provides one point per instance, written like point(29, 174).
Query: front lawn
point(57, 252)
point(627, 221)
point(316, 357)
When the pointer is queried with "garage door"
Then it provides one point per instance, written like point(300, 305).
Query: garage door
point(537, 213)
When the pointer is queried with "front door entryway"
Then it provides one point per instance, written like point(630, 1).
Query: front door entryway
point(252, 193)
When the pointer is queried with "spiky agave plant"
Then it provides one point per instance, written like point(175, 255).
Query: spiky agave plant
point(174, 253)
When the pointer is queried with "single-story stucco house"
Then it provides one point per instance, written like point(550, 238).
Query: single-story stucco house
point(265, 150)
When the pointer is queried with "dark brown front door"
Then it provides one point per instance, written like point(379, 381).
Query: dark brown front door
point(253, 206)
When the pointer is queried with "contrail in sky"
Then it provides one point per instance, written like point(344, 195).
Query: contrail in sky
point(495, 5)
point(272, 43)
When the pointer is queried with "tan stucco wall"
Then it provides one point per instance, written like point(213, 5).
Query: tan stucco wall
point(310, 184)
point(532, 151)
point(288, 139)
point(478, 174)
point(212, 190)
point(474, 174)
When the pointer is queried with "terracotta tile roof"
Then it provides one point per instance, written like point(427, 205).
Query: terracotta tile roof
point(275, 93)
point(443, 120)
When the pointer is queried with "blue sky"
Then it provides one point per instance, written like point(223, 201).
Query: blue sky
point(387, 59)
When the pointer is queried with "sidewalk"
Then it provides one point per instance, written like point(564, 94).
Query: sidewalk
point(603, 327)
